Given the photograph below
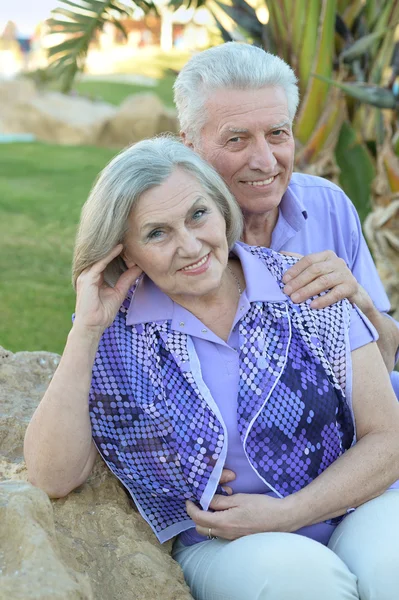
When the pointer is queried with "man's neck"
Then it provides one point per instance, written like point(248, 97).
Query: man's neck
point(258, 229)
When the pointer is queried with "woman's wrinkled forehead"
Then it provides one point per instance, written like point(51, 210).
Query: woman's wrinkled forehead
point(168, 202)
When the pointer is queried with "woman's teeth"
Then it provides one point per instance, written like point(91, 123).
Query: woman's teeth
point(259, 183)
point(196, 265)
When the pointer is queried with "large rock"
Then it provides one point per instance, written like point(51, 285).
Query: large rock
point(90, 545)
point(140, 116)
point(58, 118)
point(15, 91)
point(75, 120)
point(30, 563)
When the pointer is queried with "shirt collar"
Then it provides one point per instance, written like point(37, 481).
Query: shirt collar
point(293, 209)
point(291, 218)
point(150, 304)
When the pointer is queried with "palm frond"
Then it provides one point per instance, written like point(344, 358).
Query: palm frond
point(78, 23)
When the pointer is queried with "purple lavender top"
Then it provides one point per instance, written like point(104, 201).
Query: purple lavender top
point(220, 366)
point(316, 215)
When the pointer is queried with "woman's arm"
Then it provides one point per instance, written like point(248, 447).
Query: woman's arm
point(58, 448)
point(362, 473)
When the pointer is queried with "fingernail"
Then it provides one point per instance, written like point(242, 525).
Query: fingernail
point(295, 297)
point(287, 289)
point(286, 277)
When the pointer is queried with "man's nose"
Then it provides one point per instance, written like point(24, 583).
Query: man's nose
point(262, 156)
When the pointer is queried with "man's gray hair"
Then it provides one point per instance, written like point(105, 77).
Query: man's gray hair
point(147, 164)
point(232, 65)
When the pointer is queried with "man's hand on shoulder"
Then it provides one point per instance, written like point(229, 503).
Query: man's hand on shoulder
point(319, 272)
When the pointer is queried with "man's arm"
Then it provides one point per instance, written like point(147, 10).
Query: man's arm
point(321, 271)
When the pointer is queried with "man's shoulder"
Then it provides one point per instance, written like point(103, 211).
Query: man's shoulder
point(312, 182)
point(318, 195)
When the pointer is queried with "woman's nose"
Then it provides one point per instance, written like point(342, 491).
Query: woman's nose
point(188, 243)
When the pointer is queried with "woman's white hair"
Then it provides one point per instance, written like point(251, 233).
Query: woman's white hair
point(147, 164)
point(232, 65)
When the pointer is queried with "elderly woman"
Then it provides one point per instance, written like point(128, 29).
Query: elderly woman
point(203, 364)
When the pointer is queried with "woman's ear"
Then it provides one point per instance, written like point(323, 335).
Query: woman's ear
point(128, 262)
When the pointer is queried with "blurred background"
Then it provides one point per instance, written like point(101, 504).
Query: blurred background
point(81, 79)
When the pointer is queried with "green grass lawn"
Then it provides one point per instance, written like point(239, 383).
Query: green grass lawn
point(42, 189)
point(115, 92)
point(150, 62)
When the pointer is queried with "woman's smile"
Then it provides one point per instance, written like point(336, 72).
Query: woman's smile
point(199, 267)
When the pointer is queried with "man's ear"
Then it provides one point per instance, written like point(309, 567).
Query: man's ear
point(186, 141)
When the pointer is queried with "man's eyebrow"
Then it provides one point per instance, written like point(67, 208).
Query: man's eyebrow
point(282, 124)
point(154, 225)
point(286, 123)
point(237, 130)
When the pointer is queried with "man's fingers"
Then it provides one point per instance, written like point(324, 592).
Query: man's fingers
point(324, 271)
point(306, 262)
point(321, 284)
point(338, 293)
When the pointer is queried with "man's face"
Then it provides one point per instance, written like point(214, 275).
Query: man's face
point(247, 138)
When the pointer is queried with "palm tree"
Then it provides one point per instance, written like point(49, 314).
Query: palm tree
point(345, 56)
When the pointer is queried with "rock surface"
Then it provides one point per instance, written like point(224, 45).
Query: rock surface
point(139, 116)
point(90, 545)
point(55, 117)
point(75, 120)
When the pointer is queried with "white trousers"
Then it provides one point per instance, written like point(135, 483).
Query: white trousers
point(360, 562)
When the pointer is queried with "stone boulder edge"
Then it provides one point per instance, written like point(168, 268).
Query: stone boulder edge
point(75, 120)
point(58, 118)
point(91, 544)
point(140, 116)
point(30, 563)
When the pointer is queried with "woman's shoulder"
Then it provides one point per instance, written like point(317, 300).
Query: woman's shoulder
point(276, 262)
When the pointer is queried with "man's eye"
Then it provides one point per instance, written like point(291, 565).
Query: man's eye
point(235, 139)
point(277, 132)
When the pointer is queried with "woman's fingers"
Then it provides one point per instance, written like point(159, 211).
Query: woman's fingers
point(100, 266)
point(127, 279)
point(227, 476)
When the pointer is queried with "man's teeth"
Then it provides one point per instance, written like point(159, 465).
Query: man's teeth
point(259, 183)
point(196, 265)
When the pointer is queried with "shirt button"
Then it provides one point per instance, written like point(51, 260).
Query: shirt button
point(241, 308)
point(204, 330)
point(181, 323)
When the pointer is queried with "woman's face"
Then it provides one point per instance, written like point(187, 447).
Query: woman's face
point(177, 236)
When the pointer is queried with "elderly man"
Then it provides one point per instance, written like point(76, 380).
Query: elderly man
point(236, 104)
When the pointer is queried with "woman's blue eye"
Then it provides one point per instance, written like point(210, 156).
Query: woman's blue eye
point(155, 234)
point(199, 213)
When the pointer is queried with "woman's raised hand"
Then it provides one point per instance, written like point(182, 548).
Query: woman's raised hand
point(97, 303)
